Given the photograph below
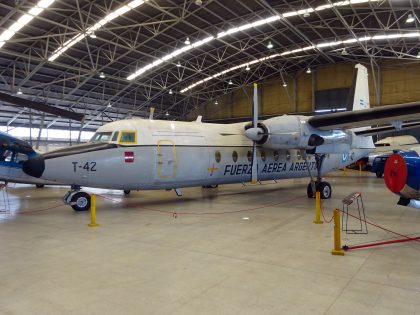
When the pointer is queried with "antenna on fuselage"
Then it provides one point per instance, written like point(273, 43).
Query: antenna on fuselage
point(152, 111)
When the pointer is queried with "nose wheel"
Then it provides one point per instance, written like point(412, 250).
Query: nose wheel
point(78, 200)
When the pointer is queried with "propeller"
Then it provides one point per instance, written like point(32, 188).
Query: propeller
point(254, 131)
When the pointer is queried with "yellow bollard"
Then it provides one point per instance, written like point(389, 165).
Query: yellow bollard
point(92, 211)
point(337, 237)
point(360, 169)
point(318, 208)
point(344, 171)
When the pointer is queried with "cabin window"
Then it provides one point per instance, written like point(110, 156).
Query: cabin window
point(299, 155)
point(234, 156)
point(101, 137)
point(249, 156)
point(128, 137)
point(263, 155)
point(217, 156)
point(276, 155)
point(115, 136)
point(287, 155)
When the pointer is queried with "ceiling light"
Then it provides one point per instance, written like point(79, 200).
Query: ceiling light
point(230, 82)
point(295, 51)
point(19, 92)
point(418, 54)
point(92, 35)
point(284, 84)
point(78, 37)
point(306, 14)
point(187, 41)
point(23, 20)
point(270, 45)
point(410, 19)
point(344, 52)
point(216, 103)
point(309, 71)
point(170, 92)
point(102, 75)
point(109, 105)
point(243, 27)
point(167, 114)
point(198, 2)
point(178, 64)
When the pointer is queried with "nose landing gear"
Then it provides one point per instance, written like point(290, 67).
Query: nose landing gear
point(78, 200)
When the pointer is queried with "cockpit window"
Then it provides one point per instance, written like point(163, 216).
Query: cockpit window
point(101, 137)
point(128, 137)
point(115, 136)
point(382, 145)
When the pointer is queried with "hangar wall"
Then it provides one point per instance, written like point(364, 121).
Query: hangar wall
point(398, 84)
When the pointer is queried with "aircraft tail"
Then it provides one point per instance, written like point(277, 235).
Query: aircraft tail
point(359, 93)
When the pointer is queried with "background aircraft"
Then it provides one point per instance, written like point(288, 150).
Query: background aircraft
point(402, 176)
point(152, 154)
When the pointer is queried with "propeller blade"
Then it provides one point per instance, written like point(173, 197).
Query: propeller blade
point(254, 176)
point(230, 134)
point(255, 107)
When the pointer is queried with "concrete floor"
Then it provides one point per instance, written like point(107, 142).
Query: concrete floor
point(267, 260)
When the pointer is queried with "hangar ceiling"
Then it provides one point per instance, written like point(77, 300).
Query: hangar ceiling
point(87, 57)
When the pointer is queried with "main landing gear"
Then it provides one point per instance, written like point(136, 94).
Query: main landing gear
point(323, 187)
point(78, 200)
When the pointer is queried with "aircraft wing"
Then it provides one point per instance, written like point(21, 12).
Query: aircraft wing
point(386, 129)
point(367, 117)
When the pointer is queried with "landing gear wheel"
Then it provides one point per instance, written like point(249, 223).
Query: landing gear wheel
point(39, 185)
point(379, 174)
point(80, 201)
point(127, 191)
point(324, 188)
point(210, 186)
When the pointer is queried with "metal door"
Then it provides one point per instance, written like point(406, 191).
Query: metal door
point(166, 159)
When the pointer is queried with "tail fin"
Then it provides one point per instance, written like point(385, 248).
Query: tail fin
point(359, 93)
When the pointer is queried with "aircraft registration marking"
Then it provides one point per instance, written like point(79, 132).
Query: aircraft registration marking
point(88, 166)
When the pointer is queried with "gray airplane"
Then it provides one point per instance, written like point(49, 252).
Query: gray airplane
point(153, 154)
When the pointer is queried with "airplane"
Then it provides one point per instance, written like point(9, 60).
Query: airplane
point(402, 176)
point(141, 154)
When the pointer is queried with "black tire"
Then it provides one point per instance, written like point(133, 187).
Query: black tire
point(127, 191)
point(325, 189)
point(39, 185)
point(210, 186)
point(379, 174)
point(80, 201)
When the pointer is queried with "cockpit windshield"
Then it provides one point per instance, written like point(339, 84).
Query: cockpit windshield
point(101, 137)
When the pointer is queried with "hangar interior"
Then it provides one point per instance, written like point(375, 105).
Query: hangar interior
point(235, 249)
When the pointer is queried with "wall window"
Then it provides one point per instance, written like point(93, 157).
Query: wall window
point(276, 155)
point(287, 155)
point(249, 156)
point(234, 156)
point(263, 156)
point(217, 156)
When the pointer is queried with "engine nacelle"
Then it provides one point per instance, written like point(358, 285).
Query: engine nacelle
point(293, 132)
point(402, 174)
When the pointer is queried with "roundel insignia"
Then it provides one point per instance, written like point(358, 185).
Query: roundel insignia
point(395, 173)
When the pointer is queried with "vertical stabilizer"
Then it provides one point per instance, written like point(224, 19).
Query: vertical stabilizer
point(359, 92)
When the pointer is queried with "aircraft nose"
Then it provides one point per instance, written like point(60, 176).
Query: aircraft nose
point(395, 173)
point(34, 166)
